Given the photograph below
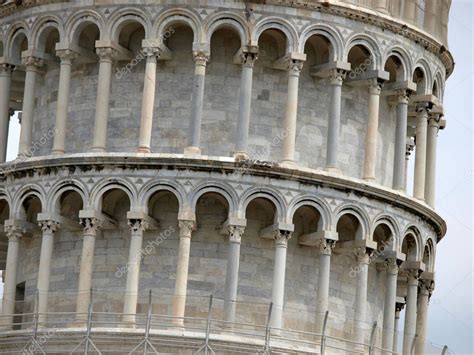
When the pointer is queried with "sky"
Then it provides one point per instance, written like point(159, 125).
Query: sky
point(450, 319)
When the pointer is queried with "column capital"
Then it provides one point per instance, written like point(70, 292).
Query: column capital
point(295, 66)
point(325, 246)
point(362, 254)
point(248, 58)
point(235, 233)
point(106, 53)
point(375, 86)
point(152, 51)
point(426, 287)
point(201, 57)
point(281, 237)
point(392, 265)
point(186, 227)
point(412, 276)
point(6, 68)
point(14, 232)
point(137, 226)
point(399, 306)
point(49, 226)
point(32, 63)
point(337, 76)
point(91, 225)
point(403, 96)
point(424, 107)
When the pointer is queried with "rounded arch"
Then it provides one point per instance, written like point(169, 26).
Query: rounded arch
point(109, 184)
point(406, 66)
point(62, 187)
point(429, 252)
point(392, 224)
point(30, 190)
point(369, 44)
point(17, 40)
point(271, 195)
point(280, 24)
point(43, 28)
point(5, 197)
point(357, 212)
point(225, 190)
point(411, 232)
point(311, 201)
point(330, 34)
point(226, 20)
point(186, 17)
point(79, 21)
point(438, 86)
point(423, 67)
point(149, 189)
point(122, 17)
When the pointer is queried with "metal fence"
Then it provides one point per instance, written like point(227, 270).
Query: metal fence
point(105, 329)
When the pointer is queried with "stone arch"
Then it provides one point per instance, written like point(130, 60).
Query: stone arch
point(411, 231)
point(14, 40)
point(122, 17)
point(329, 33)
point(64, 186)
point(5, 197)
point(357, 212)
point(391, 224)
point(182, 16)
point(271, 195)
point(439, 83)
point(369, 44)
point(404, 58)
point(149, 189)
point(430, 248)
point(79, 21)
point(226, 20)
point(225, 190)
point(30, 190)
point(311, 201)
point(42, 28)
point(426, 86)
point(280, 24)
point(108, 184)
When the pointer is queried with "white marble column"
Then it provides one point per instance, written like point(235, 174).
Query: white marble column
point(324, 247)
point(425, 290)
point(408, 150)
point(245, 99)
point(289, 122)
point(398, 308)
point(370, 158)
point(410, 313)
point(137, 228)
point(32, 66)
point(48, 228)
point(400, 141)
point(389, 304)
point(334, 123)
point(5, 85)
point(102, 106)
point(91, 227)
point(431, 145)
point(148, 101)
point(362, 256)
point(420, 152)
point(232, 273)
point(197, 102)
point(67, 56)
point(14, 233)
point(181, 284)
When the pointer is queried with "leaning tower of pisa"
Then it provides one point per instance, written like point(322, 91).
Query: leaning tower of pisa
point(225, 176)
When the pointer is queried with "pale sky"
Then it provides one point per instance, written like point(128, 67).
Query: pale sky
point(451, 307)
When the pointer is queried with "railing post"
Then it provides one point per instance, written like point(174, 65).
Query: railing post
point(372, 339)
point(323, 333)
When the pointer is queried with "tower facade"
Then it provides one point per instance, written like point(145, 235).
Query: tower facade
point(226, 175)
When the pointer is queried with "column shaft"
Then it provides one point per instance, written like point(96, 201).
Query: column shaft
point(49, 228)
point(361, 329)
point(181, 285)
point(245, 100)
point(398, 309)
point(67, 57)
point(422, 315)
point(390, 304)
point(9, 288)
point(372, 130)
point(410, 313)
point(431, 145)
point(5, 84)
point(420, 154)
point(102, 106)
point(148, 101)
point(26, 132)
point(400, 142)
point(197, 101)
point(289, 123)
point(137, 227)
point(91, 225)
point(334, 122)
point(322, 293)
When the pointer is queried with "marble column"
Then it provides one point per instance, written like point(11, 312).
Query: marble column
point(67, 56)
point(431, 145)
point(14, 233)
point(362, 255)
point(410, 313)
point(334, 123)
point(389, 304)
point(400, 141)
point(48, 228)
point(5, 84)
point(232, 273)
point(408, 150)
point(425, 290)
point(32, 66)
point(398, 308)
point(324, 247)
point(370, 160)
point(137, 228)
point(148, 101)
point(91, 227)
point(420, 152)
point(181, 284)
point(102, 106)
point(278, 283)
point(289, 122)
point(197, 102)
point(245, 99)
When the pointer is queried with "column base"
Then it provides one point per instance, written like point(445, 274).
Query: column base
point(333, 170)
point(289, 164)
point(57, 152)
point(98, 150)
point(238, 156)
point(192, 151)
point(145, 150)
